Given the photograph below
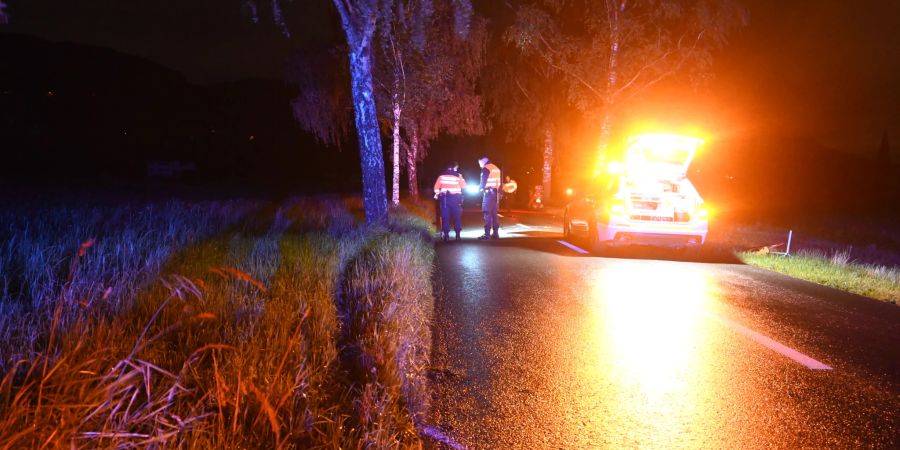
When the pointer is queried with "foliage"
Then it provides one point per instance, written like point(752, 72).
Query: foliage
point(361, 21)
point(522, 98)
point(614, 50)
point(324, 105)
point(440, 92)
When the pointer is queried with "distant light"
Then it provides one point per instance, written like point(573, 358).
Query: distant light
point(569, 192)
point(252, 137)
point(51, 93)
point(471, 189)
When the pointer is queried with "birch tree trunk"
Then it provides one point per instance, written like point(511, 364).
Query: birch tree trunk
point(548, 162)
point(359, 27)
point(395, 107)
point(412, 158)
point(614, 9)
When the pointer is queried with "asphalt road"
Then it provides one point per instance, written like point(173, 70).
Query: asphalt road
point(539, 346)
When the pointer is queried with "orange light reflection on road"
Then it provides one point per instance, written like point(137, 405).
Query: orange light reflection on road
point(654, 337)
point(652, 319)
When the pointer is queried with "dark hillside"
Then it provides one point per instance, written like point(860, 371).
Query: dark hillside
point(79, 113)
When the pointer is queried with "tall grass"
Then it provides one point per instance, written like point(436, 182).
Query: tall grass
point(64, 261)
point(232, 326)
point(835, 269)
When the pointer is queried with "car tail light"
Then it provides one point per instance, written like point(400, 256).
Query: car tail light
point(617, 208)
point(702, 213)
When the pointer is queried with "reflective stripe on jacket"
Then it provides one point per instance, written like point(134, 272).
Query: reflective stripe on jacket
point(490, 177)
point(449, 183)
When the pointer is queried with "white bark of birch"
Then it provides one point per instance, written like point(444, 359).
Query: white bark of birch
point(412, 158)
point(395, 191)
point(546, 169)
point(615, 8)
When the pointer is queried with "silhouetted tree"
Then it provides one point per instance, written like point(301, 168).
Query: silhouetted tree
point(610, 51)
point(360, 20)
point(528, 100)
point(441, 91)
point(399, 41)
point(426, 66)
point(323, 105)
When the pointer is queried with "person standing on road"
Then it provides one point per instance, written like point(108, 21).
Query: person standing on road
point(490, 189)
point(509, 193)
point(448, 190)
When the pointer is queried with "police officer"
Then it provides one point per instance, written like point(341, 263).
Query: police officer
point(490, 188)
point(448, 190)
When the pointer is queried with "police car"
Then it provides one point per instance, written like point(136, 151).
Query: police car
point(643, 199)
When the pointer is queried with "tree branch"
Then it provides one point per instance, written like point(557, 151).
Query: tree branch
point(570, 73)
point(343, 11)
point(524, 92)
point(669, 72)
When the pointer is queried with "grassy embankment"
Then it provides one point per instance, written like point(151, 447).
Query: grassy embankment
point(860, 259)
point(213, 325)
point(835, 270)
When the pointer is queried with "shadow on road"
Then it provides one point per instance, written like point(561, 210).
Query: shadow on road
point(548, 242)
point(540, 231)
point(545, 244)
point(707, 254)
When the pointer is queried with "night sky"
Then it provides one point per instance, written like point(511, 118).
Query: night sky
point(811, 68)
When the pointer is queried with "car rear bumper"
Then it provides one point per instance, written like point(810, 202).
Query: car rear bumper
point(656, 234)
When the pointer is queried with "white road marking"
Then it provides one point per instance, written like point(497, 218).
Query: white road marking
point(524, 226)
point(772, 344)
point(573, 247)
point(438, 435)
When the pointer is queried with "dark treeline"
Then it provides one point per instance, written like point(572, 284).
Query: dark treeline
point(781, 178)
point(520, 79)
point(71, 112)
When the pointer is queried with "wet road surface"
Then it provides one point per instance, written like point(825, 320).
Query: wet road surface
point(539, 346)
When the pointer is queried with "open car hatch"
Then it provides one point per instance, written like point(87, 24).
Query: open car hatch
point(660, 156)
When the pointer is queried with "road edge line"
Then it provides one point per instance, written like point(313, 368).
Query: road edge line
point(438, 435)
point(574, 247)
point(772, 344)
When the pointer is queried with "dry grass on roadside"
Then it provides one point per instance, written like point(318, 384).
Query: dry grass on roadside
point(292, 328)
point(837, 270)
point(869, 270)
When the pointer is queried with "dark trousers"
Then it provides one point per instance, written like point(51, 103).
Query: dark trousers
point(509, 201)
point(451, 208)
point(489, 205)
